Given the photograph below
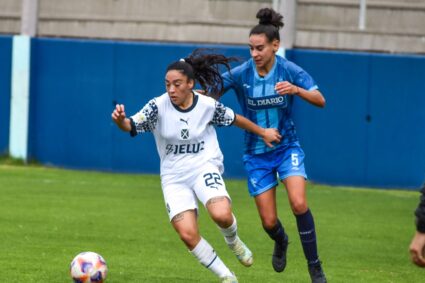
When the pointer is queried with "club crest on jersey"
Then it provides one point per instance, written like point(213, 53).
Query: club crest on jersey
point(184, 134)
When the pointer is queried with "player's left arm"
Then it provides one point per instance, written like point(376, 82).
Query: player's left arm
point(314, 97)
point(301, 84)
point(269, 135)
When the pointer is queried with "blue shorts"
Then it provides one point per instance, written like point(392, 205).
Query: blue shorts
point(265, 169)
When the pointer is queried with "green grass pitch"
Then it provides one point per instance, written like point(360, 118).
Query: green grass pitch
point(48, 215)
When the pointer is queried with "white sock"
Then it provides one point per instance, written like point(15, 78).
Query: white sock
point(230, 233)
point(208, 258)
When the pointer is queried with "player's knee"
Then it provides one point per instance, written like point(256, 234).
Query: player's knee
point(269, 222)
point(220, 211)
point(299, 207)
point(223, 218)
point(190, 238)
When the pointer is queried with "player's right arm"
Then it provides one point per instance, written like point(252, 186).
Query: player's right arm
point(268, 135)
point(120, 118)
point(229, 81)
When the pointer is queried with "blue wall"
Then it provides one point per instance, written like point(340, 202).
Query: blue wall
point(75, 85)
point(5, 83)
point(371, 133)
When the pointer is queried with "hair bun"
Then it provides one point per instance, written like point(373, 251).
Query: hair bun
point(269, 16)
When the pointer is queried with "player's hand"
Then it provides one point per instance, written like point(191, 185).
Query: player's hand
point(118, 115)
point(286, 88)
point(270, 136)
point(417, 249)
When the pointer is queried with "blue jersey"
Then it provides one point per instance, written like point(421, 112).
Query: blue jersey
point(260, 102)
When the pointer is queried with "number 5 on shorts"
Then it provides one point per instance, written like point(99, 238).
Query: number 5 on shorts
point(294, 159)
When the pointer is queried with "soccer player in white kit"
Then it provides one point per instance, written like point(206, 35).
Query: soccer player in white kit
point(182, 122)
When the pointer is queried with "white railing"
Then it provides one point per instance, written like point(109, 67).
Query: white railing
point(362, 15)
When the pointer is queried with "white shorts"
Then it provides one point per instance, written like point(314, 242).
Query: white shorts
point(182, 191)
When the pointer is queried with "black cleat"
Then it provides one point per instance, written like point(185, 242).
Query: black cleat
point(316, 273)
point(279, 255)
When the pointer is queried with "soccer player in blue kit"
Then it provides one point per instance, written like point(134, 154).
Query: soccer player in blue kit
point(265, 87)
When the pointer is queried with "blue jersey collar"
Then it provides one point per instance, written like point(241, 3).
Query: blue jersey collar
point(269, 74)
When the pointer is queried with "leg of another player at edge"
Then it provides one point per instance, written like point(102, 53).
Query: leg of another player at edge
point(220, 211)
point(186, 225)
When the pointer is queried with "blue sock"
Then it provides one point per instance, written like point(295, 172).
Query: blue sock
point(277, 233)
point(307, 233)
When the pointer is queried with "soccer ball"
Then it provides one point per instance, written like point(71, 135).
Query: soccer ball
point(88, 267)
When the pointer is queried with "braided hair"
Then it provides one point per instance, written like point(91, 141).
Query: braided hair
point(203, 67)
point(270, 22)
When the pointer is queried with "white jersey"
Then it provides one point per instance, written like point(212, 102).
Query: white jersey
point(186, 138)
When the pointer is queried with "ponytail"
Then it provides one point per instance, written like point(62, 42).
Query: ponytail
point(203, 68)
